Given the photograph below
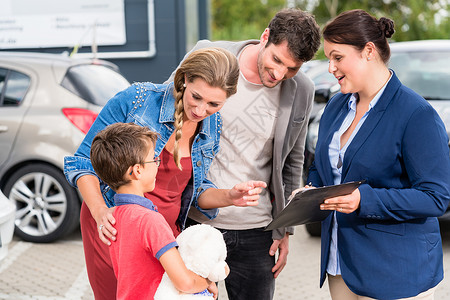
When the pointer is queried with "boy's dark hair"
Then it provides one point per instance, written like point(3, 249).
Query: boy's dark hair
point(299, 29)
point(118, 147)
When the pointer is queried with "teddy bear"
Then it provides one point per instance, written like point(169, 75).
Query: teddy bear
point(203, 251)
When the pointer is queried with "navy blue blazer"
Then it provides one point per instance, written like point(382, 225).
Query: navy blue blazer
point(391, 246)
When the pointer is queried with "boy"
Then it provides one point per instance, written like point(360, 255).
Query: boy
point(123, 157)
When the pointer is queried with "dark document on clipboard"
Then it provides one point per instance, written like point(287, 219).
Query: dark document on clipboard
point(304, 206)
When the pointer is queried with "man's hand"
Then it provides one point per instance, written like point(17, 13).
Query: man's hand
point(246, 193)
point(105, 225)
point(283, 247)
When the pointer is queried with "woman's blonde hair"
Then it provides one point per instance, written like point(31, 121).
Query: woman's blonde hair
point(217, 67)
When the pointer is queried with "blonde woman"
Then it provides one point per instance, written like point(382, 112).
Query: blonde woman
point(185, 115)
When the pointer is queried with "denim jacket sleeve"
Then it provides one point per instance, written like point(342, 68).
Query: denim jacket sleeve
point(190, 198)
point(77, 166)
point(209, 213)
point(209, 152)
point(186, 203)
point(204, 149)
point(115, 110)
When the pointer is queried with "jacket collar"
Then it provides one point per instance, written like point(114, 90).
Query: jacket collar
point(371, 122)
point(124, 199)
point(167, 111)
point(236, 47)
point(364, 132)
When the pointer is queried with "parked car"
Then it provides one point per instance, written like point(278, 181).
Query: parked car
point(7, 216)
point(47, 104)
point(420, 65)
point(324, 83)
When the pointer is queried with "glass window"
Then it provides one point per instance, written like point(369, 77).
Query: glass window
point(426, 73)
point(3, 73)
point(192, 23)
point(94, 83)
point(16, 88)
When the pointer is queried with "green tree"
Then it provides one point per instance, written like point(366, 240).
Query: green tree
point(242, 19)
point(414, 19)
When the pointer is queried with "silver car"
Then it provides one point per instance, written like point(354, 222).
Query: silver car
point(7, 213)
point(47, 104)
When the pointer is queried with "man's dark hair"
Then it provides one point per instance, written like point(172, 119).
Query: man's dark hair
point(299, 29)
point(118, 147)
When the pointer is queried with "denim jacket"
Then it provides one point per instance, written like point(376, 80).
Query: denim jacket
point(152, 105)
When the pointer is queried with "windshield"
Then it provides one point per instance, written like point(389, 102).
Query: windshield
point(427, 73)
point(94, 83)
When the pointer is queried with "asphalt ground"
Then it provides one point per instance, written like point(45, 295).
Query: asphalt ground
point(57, 271)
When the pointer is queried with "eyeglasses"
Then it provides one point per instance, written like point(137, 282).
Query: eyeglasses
point(156, 160)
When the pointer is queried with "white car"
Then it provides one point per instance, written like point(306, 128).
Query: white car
point(7, 216)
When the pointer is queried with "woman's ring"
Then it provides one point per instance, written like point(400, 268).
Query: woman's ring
point(100, 227)
point(340, 209)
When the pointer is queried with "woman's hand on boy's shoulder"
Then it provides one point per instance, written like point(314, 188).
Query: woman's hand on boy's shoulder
point(246, 193)
point(105, 225)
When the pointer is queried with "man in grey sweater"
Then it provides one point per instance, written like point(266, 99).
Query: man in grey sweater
point(263, 138)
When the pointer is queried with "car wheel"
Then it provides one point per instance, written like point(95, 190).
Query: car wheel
point(47, 206)
point(314, 229)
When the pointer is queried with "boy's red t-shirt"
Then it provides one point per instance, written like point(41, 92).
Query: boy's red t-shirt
point(143, 235)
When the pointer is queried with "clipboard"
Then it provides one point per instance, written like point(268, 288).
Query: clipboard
point(304, 206)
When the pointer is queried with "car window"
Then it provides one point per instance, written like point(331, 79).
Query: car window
point(427, 73)
point(13, 87)
point(94, 83)
point(318, 72)
point(325, 78)
point(3, 73)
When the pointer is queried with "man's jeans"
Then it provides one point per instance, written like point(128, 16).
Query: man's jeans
point(250, 264)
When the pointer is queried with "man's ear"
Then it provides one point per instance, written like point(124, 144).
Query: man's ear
point(265, 37)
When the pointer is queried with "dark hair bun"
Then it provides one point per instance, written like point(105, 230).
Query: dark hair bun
point(386, 26)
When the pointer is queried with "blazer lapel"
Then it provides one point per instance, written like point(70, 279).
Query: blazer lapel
point(337, 121)
point(371, 123)
point(284, 115)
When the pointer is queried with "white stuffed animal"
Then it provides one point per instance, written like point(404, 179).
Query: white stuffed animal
point(203, 251)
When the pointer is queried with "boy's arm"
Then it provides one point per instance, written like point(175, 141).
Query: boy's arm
point(183, 279)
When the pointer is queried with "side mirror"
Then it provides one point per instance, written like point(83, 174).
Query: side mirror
point(324, 92)
point(322, 95)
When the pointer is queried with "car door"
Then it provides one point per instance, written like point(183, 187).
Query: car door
point(14, 88)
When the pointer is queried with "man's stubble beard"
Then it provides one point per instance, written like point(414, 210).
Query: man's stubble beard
point(261, 71)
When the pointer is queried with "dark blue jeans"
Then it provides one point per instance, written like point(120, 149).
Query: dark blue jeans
point(251, 276)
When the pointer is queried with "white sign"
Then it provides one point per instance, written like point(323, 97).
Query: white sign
point(61, 23)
